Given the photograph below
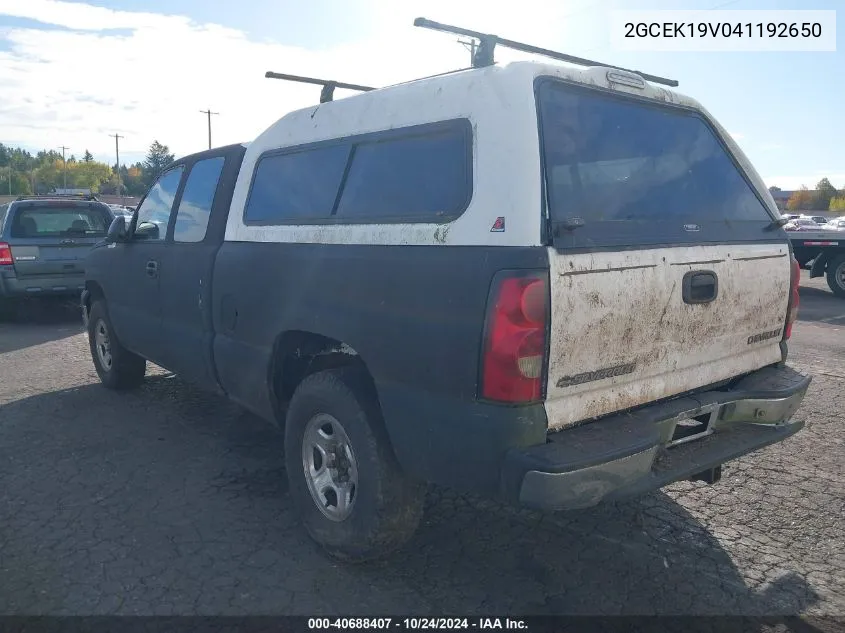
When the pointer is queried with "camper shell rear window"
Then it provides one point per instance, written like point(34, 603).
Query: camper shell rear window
point(626, 171)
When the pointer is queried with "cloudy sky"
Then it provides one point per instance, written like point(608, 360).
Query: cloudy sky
point(72, 73)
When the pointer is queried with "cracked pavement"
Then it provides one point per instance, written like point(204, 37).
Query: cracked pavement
point(168, 500)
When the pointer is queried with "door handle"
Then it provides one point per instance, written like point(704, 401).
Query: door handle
point(152, 268)
point(700, 286)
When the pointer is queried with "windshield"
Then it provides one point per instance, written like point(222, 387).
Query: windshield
point(636, 172)
point(60, 221)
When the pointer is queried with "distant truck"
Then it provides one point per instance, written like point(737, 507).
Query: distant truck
point(825, 248)
point(551, 286)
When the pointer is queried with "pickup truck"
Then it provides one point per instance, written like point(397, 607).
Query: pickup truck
point(824, 248)
point(551, 286)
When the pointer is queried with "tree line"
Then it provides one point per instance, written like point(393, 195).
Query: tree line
point(825, 197)
point(22, 173)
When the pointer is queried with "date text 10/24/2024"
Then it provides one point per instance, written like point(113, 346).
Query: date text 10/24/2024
point(417, 624)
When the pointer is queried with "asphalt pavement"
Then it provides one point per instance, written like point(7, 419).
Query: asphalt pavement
point(168, 500)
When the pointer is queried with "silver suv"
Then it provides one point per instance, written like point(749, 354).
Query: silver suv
point(44, 241)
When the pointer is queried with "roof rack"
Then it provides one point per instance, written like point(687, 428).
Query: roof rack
point(483, 54)
point(327, 93)
point(74, 196)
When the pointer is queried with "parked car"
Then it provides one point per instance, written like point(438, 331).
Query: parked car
point(44, 241)
point(801, 224)
point(837, 224)
point(818, 219)
point(551, 286)
point(119, 209)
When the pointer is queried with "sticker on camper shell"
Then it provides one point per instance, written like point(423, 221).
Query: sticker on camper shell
point(498, 225)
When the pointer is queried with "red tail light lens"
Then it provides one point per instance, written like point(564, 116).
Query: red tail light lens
point(794, 298)
point(515, 343)
point(5, 254)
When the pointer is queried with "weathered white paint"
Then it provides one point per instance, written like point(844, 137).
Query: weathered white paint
point(612, 309)
point(499, 102)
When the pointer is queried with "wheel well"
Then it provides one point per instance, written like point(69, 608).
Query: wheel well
point(298, 354)
point(95, 292)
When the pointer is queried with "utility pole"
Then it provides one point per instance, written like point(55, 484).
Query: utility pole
point(208, 113)
point(65, 164)
point(471, 45)
point(10, 179)
point(117, 157)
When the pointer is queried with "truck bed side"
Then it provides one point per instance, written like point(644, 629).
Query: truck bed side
point(414, 316)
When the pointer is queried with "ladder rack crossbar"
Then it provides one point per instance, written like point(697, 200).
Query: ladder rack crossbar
point(487, 42)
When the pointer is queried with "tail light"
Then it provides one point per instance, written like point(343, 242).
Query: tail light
point(5, 254)
point(515, 340)
point(794, 298)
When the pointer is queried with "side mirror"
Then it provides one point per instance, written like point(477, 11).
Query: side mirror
point(117, 230)
point(146, 231)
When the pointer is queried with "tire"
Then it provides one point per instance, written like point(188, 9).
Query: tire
point(385, 506)
point(117, 367)
point(836, 276)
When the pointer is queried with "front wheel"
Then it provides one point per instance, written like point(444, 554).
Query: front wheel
point(117, 367)
point(836, 276)
point(344, 479)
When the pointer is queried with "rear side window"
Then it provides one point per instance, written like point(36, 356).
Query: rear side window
point(197, 198)
point(296, 186)
point(417, 174)
point(638, 173)
point(422, 176)
point(62, 221)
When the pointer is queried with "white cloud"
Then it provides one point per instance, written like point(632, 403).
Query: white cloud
point(148, 80)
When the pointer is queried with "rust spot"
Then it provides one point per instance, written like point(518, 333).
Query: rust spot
point(441, 233)
point(608, 270)
point(706, 261)
point(748, 259)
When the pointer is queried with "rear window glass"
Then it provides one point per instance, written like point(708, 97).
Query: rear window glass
point(640, 173)
point(422, 173)
point(60, 221)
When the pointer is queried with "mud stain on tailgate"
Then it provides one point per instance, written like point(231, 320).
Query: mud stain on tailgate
point(614, 309)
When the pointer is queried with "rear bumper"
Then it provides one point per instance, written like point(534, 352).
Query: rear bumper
point(55, 285)
point(629, 454)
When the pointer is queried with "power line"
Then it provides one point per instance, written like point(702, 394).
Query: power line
point(209, 113)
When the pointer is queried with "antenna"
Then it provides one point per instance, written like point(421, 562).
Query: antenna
point(327, 93)
point(483, 54)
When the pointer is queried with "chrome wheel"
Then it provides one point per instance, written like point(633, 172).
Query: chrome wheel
point(840, 275)
point(331, 471)
point(103, 345)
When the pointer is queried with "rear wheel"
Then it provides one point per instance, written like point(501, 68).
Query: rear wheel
point(836, 276)
point(117, 367)
point(344, 479)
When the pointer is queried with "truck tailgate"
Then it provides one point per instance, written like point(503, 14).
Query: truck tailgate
point(623, 335)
